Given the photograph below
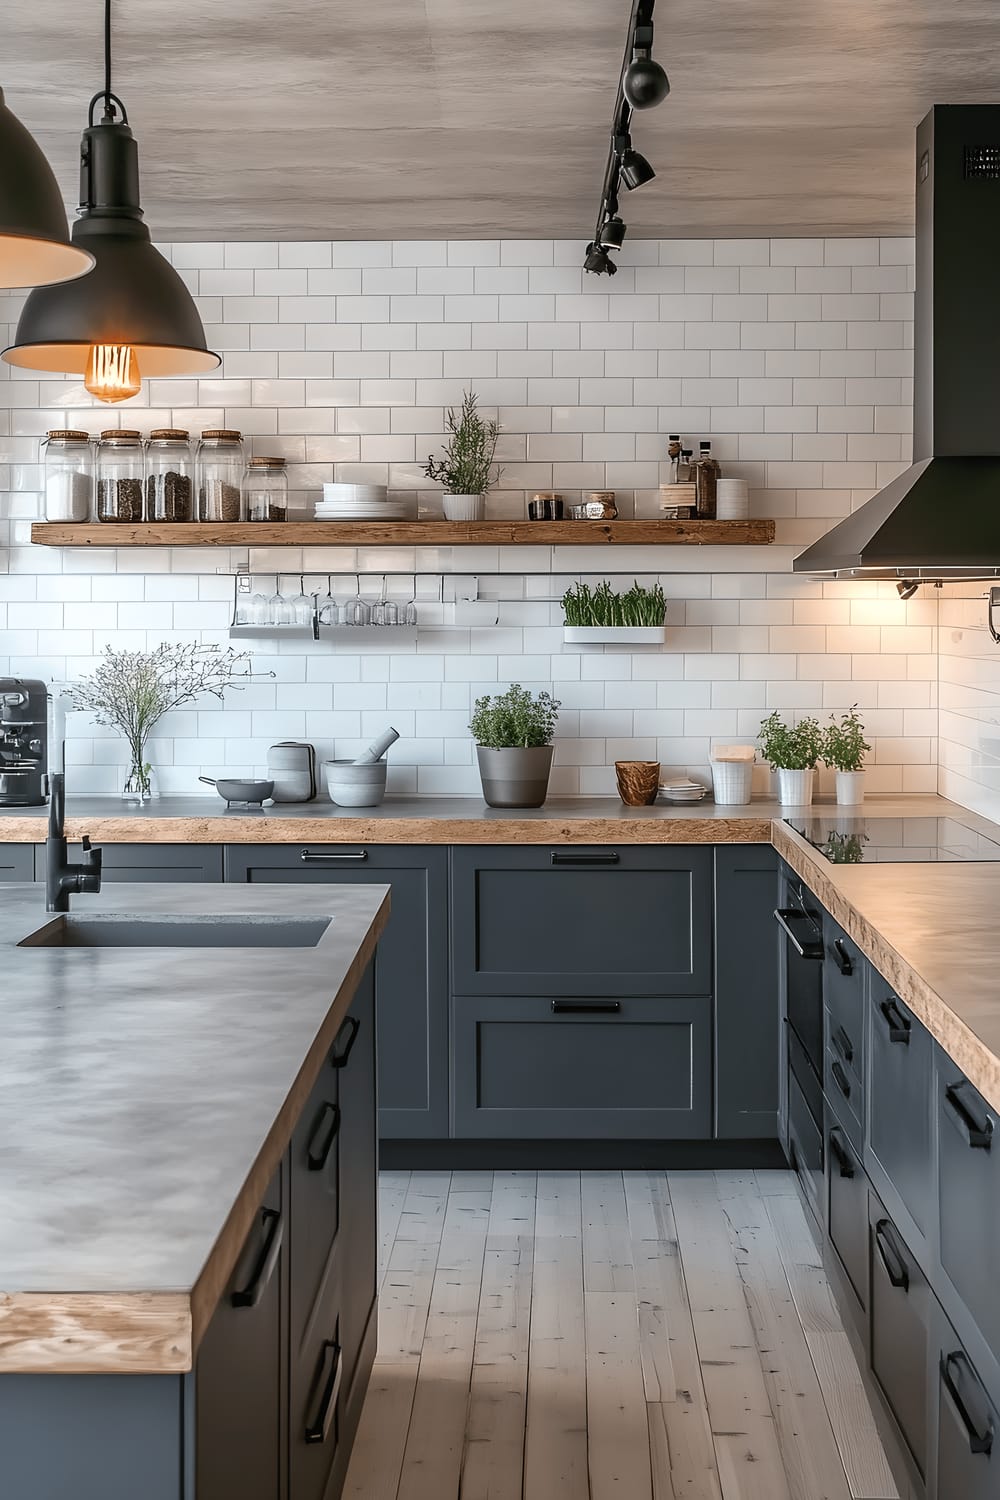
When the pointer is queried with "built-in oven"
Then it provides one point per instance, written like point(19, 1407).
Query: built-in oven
point(802, 967)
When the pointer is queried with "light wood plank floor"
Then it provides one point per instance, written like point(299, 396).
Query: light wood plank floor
point(609, 1336)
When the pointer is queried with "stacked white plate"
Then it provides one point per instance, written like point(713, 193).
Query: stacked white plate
point(359, 502)
point(682, 789)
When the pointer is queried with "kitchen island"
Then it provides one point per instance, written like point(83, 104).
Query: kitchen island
point(188, 1178)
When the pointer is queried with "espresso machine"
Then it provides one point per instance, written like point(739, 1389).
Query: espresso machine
point(23, 742)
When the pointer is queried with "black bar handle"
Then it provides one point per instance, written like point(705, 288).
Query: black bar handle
point(263, 1270)
point(980, 1435)
point(340, 1059)
point(323, 1137)
point(318, 1430)
point(805, 948)
point(895, 1267)
point(316, 857)
point(844, 961)
point(586, 1007)
point(974, 1124)
point(843, 1044)
point(898, 1024)
point(844, 1163)
point(568, 857)
point(841, 1079)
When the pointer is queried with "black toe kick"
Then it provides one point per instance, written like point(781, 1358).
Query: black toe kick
point(556, 1156)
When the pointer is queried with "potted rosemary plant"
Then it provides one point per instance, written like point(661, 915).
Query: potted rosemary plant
point(844, 747)
point(792, 751)
point(466, 466)
point(131, 691)
point(513, 733)
point(599, 615)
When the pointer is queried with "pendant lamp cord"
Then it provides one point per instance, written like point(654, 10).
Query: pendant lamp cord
point(113, 106)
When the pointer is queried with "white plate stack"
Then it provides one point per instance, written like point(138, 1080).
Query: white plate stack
point(682, 789)
point(732, 500)
point(359, 502)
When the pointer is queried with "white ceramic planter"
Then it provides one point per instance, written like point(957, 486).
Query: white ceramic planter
point(610, 635)
point(795, 788)
point(850, 788)
point(463, 507)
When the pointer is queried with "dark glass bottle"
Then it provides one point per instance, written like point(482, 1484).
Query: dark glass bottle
point(706, 473)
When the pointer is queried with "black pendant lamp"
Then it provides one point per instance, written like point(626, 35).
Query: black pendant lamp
point(34, 238)
point(133, 317)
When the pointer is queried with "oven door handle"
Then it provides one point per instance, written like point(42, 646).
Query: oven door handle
point(805, 948)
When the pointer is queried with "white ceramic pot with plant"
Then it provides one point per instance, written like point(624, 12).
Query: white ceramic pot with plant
point(132, 690)
point(513, 733)
point(466, 467)
point(599, 616)
point(792, 750)
point(844, 748)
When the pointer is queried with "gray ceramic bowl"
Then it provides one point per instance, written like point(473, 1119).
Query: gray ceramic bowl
point(235, 790)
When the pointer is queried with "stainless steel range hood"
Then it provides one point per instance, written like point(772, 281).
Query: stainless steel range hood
point(941, 518)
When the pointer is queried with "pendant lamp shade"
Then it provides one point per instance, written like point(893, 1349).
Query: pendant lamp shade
point(35, 247)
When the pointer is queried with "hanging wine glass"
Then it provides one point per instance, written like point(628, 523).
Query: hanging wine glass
point(327, 607)
point(302, 605)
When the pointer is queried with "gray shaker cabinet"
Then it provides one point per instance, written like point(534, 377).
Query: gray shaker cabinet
point(411, 983)
point(746, 992)
point(153, 863)
point(17, 862)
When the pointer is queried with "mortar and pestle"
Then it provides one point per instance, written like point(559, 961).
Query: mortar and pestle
point(360, 782)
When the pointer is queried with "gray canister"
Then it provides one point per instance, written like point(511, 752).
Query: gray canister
point(291, 765)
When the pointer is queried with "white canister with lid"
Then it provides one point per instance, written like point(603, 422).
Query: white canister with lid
point(291, 765)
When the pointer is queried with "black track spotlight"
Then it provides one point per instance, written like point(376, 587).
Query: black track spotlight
point(907, 587)
point(598, 261)
point(635, 169)
point(645, 83)
point(612, 235)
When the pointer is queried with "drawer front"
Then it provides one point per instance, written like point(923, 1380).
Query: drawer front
point(899, 1111)
point(844, 970)
point(842, 1088)
point(17, 862)
point(317, 1393)
point(900, 1312)
point(969, 1197)
point(847, 1208)
point(354, 1051)
point(968, 1446)
point(805, 1147)
point(623, 1068)
point(314, 1210)
point(581, 921)
point(156, 863)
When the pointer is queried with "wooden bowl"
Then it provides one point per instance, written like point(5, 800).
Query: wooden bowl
point(638, 781)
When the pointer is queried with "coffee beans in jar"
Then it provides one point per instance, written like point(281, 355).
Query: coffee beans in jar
point(220, 475)
point(120, 476)
point(169, 476)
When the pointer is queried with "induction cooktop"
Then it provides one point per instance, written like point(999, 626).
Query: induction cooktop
point(851, 840)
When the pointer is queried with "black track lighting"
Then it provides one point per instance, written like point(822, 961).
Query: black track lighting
point(613, 232)
point(907, 587)
point(635, 169)
point(599, 261)
point(645, 83)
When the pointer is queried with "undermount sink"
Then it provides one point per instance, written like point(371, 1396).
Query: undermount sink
point(70, 931)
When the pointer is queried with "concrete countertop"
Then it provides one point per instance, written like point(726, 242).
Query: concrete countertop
point(147, 1097)
point(431, 820)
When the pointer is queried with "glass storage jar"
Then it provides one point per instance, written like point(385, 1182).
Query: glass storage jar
point(69, 475)
point(220, 474)
point(169, 475)
point(120, 474)
point(265, 490)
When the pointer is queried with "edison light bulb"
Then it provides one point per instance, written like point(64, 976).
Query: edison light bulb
point(112, 372)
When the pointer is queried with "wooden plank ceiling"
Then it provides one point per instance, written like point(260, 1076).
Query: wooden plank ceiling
point(418, 119)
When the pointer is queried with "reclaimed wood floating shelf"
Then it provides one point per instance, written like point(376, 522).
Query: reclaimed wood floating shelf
point(406, 534)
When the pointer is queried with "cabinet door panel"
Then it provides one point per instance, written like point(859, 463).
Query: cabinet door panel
point(155, 863)
point(746, 992)
point(581, 921)
point(316, 1395)
point(900, 1314)
point(17, 862)
point(358, 1251)
point(315, 1158)
point(632, 1068)
point(847, 1205)
point(844, 972)
point(968, 1445)
point(899, 1102)
point(969, 1197)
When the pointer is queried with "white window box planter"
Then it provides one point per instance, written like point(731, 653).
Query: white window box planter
point(614, 635)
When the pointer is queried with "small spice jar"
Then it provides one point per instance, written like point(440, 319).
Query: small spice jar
point(169, 475)
point(120, 475)
point(221, 463)
point(265, 490)
point(69, 475)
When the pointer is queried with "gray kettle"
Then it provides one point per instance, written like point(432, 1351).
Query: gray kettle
point(291, 765)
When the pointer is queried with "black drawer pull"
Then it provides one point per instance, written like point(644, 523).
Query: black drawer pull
point(567, 857)
point(842, 1042)
point(844, 961)
point(315, 857)
point(318, 1430)
point(980, 1435)
point(340, 1059)
point(805, 947)
point(973, 1123)
point(586, 1007)
point(841, 1079)
point(251, 1294)
point(844, 1163)
point(899, 1025)
point(895, 1266)
point(323, 1137)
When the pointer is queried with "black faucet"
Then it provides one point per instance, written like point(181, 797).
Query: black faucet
point(61, 877)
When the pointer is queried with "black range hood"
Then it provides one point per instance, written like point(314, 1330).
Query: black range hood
point(940, 519)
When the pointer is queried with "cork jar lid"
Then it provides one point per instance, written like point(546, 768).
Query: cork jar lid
point(169, 432)
point(222, 435)
point(267, 463)
point(71, 434)
point(121, 434)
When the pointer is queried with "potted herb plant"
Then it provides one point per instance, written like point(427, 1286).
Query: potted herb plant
point(513, 733)
point(599, 615)
point(844, 747)
point(131, 691)
point(792, 750)
point(466, 466)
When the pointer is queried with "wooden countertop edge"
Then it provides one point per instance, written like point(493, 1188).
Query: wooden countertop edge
point(979, 1063)
point(148, 1333)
